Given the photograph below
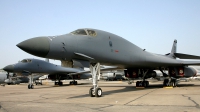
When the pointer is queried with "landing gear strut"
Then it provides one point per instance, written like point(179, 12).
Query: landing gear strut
point(95, 71)
point(143, 83)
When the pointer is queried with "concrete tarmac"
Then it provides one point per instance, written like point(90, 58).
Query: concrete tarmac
point(117, 97)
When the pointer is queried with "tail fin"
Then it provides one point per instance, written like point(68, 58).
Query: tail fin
point(173, 49)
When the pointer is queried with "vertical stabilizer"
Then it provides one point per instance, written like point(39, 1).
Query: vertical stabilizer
point(174, 47)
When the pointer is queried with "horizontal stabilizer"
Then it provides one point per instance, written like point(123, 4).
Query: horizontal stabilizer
point(186, 56)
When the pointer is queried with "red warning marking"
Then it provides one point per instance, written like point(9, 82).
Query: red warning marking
point(116, 51)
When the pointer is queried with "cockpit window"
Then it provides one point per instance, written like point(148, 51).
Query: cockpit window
point(92, 33)
point(29, 60)
point(79, 32)
point(26, 60)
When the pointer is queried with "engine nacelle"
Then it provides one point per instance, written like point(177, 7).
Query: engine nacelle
point(62, 77)
point(151, 74)
point(134, 73)
point(131, 73)
point(183, 71)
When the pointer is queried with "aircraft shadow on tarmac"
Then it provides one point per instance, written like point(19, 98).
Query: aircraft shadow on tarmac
point(64, 85)
point(132, 88)
point(128, 86)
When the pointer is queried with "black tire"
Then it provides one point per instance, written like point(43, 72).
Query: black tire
point(98, 92)
point(60, 83)
point(75, 83)
point(165, 82)
point(147, 83)
point(137, 84)
point(91, 92)
point(32, 86)
point(144, 84)
point(29, 86)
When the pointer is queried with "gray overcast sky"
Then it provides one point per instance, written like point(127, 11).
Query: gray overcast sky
point(150, 24)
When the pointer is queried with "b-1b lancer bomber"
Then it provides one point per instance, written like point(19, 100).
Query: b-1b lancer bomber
point(55, 72)
point(94, 47)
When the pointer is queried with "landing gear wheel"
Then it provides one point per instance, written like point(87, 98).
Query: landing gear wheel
point(91, 91)
point(32, 86)
point(172, 83)
point(60, 83)
point(56, 83)
point(147, 83)
point(98, 92)
point(165, 82)
point(29, 87)
point(144, 84)
point(137, 84)
point(75, 82)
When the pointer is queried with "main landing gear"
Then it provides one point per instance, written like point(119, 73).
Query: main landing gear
point(95, 90)
point(59, 83)
point(30, 85)
point(73, 82)
point(143, 83)
point(170, 82)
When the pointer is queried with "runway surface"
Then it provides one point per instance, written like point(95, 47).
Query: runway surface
point(117, 96)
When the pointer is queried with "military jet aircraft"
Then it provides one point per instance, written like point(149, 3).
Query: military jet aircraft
point(91, 47)
point(39, 66)
point(6, 78)
point(3, 77)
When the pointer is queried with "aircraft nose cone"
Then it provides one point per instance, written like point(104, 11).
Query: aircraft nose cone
point(9, 68)
point(38, 46)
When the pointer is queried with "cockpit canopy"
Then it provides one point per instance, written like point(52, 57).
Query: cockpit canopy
point(84, 32)
point(26, 60)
